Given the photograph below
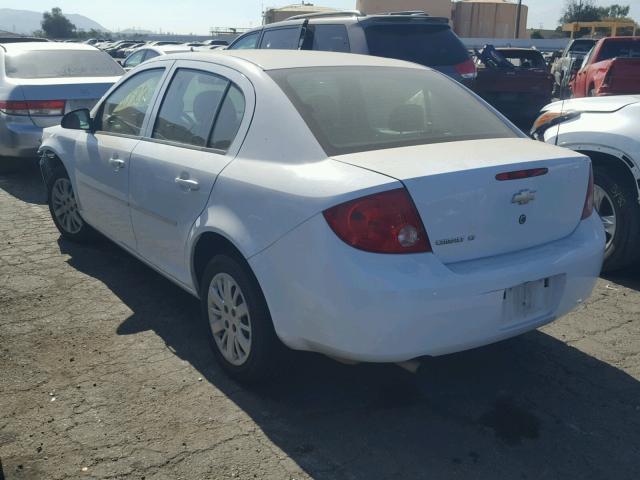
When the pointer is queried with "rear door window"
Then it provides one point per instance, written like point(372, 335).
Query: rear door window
point(189, 107)
point(228, 120)
point(249, 41)
point(281, 38)
point(329, 38)
point(430, 45)
point(123, 112)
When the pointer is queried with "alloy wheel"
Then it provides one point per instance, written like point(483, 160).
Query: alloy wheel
point(229, 318)
point(65, 207)
point(604, 206)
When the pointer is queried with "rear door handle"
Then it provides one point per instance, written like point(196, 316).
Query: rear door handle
point(189, 184)
point(116, 163)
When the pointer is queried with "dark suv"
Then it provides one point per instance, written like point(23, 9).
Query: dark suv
point(411, 36)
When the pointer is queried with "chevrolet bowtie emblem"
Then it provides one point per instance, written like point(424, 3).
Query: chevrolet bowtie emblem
point(523, 197)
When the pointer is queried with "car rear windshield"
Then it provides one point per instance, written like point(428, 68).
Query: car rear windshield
point(431, 45)
point(620, 48)
point(60, 63)
point(524, 58)
point(356, 109)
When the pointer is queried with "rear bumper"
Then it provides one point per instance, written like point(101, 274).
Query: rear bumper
point(327, 297)
point(19, 137)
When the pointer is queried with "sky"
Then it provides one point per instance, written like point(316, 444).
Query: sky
point(198, 16)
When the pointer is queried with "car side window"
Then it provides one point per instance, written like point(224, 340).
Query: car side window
point(249, 41)
point(150, 54)
point(281, 38)
point(135, 59)
point(330, 38)
point(228, 120)
point(189, 107)
point(124, 110)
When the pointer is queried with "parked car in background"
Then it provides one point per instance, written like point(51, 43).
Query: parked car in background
point(40, 82)
point(129, 50)
point(573, 53)
point(611, 68)
point(222, 43)
point(160, 43)
point(117, 50)
point(411, 36)
point(515, 81)
point(607, 129)
point(147, 53)
point(435, 225)
point(14, 39)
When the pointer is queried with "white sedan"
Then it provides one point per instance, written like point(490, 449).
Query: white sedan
point(365, 208)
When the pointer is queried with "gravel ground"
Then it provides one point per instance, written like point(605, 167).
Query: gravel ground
point(106, 373)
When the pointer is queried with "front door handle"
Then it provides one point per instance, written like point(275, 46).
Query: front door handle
point(116, 163)
point(189, 184)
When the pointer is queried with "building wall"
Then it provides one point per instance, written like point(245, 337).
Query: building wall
point(488, 19)
point(273, 15)
point(436, 8)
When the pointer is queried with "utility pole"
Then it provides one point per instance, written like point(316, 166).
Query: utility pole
point(518, 14)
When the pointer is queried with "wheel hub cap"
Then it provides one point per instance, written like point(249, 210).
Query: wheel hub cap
point(229, 319)
point(64, 205)
point(604, 206)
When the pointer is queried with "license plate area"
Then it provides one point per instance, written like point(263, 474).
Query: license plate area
point(530, 301)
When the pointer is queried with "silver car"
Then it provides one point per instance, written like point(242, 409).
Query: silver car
point(40, 82)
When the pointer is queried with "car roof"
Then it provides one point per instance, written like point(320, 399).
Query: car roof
point(280, 59)
point(32, 46)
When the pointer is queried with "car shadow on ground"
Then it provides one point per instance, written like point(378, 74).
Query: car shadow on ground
point(25, 183)
point(530, 407)
point(629, 277)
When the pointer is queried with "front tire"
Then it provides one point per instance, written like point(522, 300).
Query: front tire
point(64, 208)
point(617, 205)
point(238, 320)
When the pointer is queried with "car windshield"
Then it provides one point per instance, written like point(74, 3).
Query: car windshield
point(582, 46)
point(355, 109)
point(60, 63)
point(620, 48)
point(431, 45)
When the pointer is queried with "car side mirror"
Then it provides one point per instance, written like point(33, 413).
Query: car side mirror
point(78, 120)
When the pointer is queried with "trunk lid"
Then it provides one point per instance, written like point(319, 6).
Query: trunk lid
point(467, 212)
point(76, 92)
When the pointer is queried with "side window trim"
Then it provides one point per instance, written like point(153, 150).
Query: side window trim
point(159, 88)
point(148, 133)
point(235, 78)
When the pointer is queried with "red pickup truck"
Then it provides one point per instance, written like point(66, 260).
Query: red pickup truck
point(611, 68)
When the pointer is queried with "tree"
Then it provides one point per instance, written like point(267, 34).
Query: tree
point(616, 11)
point(581, 11)
point(56, 25)
point(537, 34)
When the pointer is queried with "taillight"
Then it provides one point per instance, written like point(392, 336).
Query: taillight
point(386, 222)
point(36, 108)
point(588, 202)
point(467, 69)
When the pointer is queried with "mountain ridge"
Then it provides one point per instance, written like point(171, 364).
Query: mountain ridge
point(27, 21)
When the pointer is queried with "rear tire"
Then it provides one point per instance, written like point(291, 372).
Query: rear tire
point(241, 333)
point(617, 204)
point(64, 209)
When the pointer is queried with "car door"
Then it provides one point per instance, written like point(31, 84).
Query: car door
point(102, 158)
point(197, 128)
